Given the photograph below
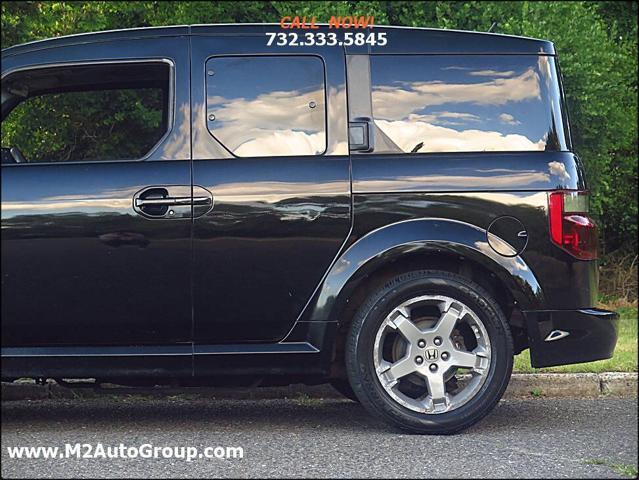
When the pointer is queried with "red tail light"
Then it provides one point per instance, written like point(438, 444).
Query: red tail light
point(570, 226)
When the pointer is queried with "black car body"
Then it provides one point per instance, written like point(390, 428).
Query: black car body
point(237, 244)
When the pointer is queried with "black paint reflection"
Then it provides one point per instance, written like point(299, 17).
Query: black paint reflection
point(79, 266)
point(258, 255)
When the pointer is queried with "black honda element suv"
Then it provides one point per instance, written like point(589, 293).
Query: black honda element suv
point(205, 205)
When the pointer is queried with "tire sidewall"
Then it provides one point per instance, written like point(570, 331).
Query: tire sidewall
point(361, 367)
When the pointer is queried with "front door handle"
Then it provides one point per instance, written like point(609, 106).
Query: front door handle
point(172, 201)
point(169, 201)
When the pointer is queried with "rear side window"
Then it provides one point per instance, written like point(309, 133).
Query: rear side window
point(466, 103)
point(264, 106)
point(85, 113)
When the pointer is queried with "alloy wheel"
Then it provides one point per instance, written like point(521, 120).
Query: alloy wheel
point(432, 354)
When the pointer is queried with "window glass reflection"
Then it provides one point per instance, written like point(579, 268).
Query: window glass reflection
point(267, 105)
point(85, 113)
point(465, 103)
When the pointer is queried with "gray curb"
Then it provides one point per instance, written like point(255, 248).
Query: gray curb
point(550, 385)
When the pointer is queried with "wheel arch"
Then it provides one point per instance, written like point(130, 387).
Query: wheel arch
point(428, 243)
point(441, 242)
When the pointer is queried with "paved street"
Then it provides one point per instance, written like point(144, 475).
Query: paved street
point(322, 438)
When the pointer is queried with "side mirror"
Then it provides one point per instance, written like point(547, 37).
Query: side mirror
point(17, 155)
point(7, 158)
point(12, 155)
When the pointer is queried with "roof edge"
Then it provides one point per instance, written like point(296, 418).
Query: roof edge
point(177, 30)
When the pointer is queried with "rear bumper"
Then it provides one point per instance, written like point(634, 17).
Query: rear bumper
point(561, 337)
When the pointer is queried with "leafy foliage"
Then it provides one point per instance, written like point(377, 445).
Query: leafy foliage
point(100, 129)
point(597, 44)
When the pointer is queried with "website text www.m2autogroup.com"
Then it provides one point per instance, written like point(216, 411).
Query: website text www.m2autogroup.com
point(145, 451)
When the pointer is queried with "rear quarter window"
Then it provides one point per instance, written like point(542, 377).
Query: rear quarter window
point(466, 103)
point(263, 106)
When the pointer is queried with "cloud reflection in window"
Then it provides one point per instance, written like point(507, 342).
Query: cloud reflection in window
point(462, 103)
point(267, 106)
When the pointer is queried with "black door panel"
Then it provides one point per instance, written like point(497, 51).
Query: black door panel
point(259, 254)
point(81, 267)
point(278, 221)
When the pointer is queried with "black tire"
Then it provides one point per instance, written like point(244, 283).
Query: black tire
point(343, 387)
point(361, 337)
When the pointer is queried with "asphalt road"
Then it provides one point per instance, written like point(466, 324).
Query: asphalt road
point(546, 438)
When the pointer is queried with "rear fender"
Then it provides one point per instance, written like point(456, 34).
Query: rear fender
point(427, 235)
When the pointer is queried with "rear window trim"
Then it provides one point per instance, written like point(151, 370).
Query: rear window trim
point(146, 60)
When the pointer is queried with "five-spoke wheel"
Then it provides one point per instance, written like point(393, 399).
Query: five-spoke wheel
point(430, 352)
point(443, 345)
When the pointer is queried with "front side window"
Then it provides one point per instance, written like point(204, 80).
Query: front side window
point(84, 113)
point(264, 106)
point(466, 103)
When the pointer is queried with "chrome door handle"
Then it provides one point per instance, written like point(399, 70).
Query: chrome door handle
point(168, 201)
point(172, 201)
point(202, 200)
point(146, 202)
